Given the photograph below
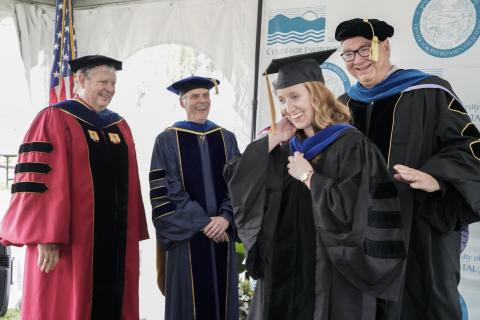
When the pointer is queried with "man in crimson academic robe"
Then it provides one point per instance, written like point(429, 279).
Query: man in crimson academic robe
point(432, 149)
point(76, 205)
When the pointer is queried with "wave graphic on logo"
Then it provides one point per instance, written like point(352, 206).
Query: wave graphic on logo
point(282, 29)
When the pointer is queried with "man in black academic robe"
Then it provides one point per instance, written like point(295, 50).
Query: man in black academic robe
point(433, 150)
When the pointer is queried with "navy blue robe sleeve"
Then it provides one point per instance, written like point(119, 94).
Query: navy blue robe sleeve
point(231, 148)
point(175, 216)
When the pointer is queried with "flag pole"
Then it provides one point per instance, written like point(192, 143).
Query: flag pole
point(64, 49)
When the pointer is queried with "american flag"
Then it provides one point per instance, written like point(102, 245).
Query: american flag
point(64, 49)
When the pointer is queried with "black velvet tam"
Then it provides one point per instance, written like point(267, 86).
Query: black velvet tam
point(359, 27)
point(93, 61)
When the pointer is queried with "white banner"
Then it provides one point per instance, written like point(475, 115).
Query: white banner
point(439, 37)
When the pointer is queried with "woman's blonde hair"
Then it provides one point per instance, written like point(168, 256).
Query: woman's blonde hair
point(328, 110)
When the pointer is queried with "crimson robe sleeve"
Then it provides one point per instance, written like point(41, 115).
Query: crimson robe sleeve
point(357, 214)
point(39, 210)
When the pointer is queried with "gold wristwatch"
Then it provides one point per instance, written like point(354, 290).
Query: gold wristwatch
point(305, 176)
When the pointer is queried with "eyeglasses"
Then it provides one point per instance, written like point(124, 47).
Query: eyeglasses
point(349, 56)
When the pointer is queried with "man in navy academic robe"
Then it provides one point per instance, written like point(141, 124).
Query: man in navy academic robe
point(191, 211)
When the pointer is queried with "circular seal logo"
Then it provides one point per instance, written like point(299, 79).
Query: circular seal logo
point(337, 79)
point(446, 28)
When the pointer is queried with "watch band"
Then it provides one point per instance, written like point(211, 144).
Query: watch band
point(305, 176)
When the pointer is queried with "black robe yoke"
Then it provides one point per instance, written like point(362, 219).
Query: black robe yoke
point(333, 252)
point(428, 129)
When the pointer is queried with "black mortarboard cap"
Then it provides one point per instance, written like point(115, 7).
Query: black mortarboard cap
point(363, 28)
point(299, 68)
point(194, 82)
point(294, 70)
point(93, 61)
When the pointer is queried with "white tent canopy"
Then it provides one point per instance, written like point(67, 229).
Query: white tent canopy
point(224, 30)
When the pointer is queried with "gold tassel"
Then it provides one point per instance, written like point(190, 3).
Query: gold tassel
point(215, 84)
point(270, 103)
point(374, 44)
point(374, 49)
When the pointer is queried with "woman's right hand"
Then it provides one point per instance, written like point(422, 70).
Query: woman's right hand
point(283, 132)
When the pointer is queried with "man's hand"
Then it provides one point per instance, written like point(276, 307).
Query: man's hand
point(216, 228)
point(223, 237)
point(415, 178)
point(48, 256)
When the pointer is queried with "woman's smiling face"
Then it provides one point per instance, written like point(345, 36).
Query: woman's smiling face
point(297, 107)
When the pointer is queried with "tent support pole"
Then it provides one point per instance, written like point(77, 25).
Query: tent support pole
point(257, 61)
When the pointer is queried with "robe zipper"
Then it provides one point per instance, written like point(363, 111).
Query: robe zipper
point(368, 117)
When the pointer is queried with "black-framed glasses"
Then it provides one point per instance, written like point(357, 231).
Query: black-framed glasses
point(349, 56)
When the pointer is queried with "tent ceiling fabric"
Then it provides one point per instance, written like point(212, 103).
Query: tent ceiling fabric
point(224, 30)
point(6, 8)
point(86, 3)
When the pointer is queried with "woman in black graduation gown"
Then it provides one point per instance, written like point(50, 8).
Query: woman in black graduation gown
point(316, 208)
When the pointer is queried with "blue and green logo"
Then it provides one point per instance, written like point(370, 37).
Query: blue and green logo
point(446, 28)
point(297, 26)
point(337, 80)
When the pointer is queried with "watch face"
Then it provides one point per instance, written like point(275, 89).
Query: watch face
point(304, 177)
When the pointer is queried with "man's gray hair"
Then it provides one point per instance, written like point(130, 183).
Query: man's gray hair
point(87, 71)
